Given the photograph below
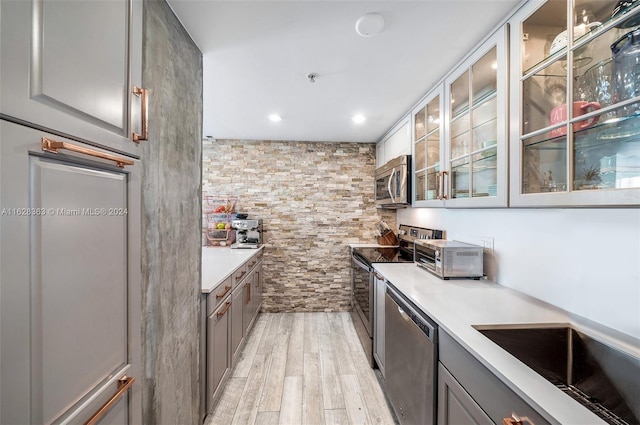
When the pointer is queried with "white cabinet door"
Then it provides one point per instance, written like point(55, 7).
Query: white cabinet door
point(380, 287)
point(428, 151)
point(395, 143)
point(587, 154)
point(70, 67)
point(69, 282)
point(475, 142)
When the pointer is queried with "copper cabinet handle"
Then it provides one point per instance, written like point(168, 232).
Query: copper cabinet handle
point(513, 420)
point(224, 311)
point(143, 94)
point(241, 274)
point(248, 286)
point(445, 195)
point(226, 289)
point(49, 145)
point(124, 384)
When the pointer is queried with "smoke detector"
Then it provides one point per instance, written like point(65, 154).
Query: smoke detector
point(369, 24)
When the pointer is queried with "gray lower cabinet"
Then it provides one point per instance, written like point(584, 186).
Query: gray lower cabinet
point(71, 66)
point(257, 288)
point(228, 313)
point(455, 405)
point(237, 316)
point(467, 389)
point(248, 304)
point(69, 283)
point(218, 361)
point(380, 287)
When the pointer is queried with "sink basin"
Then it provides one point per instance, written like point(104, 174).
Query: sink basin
point(602, 378)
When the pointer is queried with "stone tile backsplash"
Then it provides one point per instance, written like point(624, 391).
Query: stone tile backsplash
point(314, 199)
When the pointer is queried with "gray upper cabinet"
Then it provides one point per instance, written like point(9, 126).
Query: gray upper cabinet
point(71, 67)
point(583, 54)
point(69, 281)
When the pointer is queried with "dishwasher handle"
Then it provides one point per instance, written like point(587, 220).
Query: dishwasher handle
point(408, 313)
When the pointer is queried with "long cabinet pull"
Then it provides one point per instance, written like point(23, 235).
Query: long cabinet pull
point(143, 94)
point(445, 187)
point(224, 311)
point(124, 384)
point(49, 145)
point(248, 286)
point(226, 289)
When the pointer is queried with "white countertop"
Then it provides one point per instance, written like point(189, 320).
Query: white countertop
point(218, 263)
point(456, 305)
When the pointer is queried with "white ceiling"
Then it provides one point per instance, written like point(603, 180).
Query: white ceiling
point(257, 55)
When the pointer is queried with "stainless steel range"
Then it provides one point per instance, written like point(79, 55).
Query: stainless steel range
point(362, 276)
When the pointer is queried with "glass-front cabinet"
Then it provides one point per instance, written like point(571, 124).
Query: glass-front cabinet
point(460, 133)
point(427, 138)
point(575, 103)
point(476, 131)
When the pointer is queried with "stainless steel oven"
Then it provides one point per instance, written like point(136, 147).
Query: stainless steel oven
point(362, 278)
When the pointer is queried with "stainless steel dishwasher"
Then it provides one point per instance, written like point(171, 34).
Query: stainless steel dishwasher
point(411, 360)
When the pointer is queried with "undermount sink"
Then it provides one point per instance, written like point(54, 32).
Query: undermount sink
point(602, 378)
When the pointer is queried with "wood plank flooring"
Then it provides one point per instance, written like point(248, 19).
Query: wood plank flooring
point(302, 368)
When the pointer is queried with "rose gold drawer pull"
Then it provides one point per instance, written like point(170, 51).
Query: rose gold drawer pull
point(226, 289)
point(224, 311)
point(124, 384)
point(143, 94)
point(513, 420)
point(49, 145)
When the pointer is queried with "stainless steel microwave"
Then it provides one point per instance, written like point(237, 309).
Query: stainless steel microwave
point(448, 259)
point(393, 185)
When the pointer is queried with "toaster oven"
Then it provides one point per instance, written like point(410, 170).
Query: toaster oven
point(447, 259)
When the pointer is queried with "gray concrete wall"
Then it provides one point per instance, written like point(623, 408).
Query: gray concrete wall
point(171, 204)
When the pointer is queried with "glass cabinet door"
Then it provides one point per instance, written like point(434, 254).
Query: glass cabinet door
point(476, 116)
point(427, 137)
point(576, 104)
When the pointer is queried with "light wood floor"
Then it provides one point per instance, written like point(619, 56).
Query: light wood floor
point(302, 368)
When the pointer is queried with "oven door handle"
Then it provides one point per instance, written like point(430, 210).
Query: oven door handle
point(393, 172)
point(360, 264)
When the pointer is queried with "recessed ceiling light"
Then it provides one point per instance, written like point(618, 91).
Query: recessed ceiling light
point(359, 119)
point(275, 117)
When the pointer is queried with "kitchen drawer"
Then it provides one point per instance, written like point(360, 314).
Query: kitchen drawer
point(496, 399)
point(252, 262)
point(238, 275)
point(217, 296)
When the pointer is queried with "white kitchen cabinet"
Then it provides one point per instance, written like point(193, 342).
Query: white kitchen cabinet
point(475, 155)
point(564, 53)
point(427, 135)
point(70, 68)
point(69, 280)
point(460, 133)
point(380, 288)
point(395, 143)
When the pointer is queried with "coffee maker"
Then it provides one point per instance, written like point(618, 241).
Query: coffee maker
point(248, 233)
